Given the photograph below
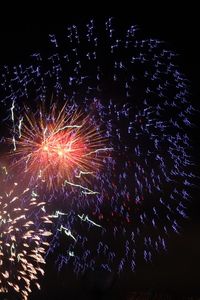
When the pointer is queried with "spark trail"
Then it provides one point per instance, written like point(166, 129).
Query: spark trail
point(22, 243)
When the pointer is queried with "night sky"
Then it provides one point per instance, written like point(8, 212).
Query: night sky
point(178, 270)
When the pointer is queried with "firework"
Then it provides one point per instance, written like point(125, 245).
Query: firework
point(59, 146)
point(133, 90)
point(22, 243)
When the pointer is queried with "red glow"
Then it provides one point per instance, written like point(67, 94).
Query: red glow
point(62, 149)
point(56, 146)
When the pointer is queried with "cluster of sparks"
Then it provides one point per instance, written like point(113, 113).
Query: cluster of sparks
point(117, 151)
point(58, 147)
point(22, 244)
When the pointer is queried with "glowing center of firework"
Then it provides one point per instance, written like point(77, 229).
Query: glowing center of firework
point(63, 146)
point(58, 148)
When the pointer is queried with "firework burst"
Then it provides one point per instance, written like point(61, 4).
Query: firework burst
point(59, 146)
point(22, 242)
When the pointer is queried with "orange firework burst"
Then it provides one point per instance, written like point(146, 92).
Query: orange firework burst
point(59, 146)
point(22, 242)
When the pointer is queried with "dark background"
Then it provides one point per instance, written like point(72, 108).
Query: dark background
point(178, 271)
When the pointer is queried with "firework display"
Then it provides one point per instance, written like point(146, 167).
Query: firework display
point(22, 243)
point(58, 147)
point(113, 147)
